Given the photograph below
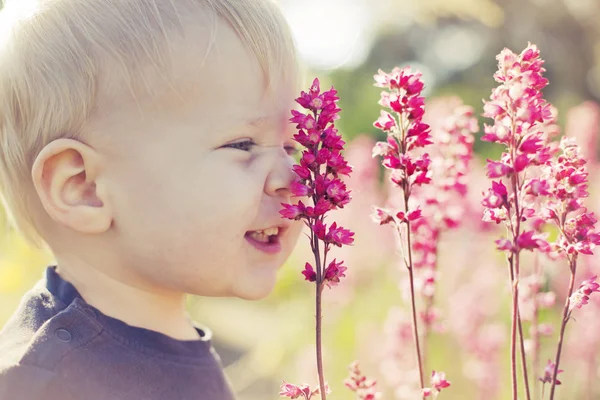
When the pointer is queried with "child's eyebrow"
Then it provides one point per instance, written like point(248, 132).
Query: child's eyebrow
point(258, 122)
point(265, 121)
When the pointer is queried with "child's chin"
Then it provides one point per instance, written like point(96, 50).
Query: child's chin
point(256, 291)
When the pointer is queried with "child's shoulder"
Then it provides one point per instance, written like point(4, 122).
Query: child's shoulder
point(42, 330)
point(57, 346)
point(32, 343)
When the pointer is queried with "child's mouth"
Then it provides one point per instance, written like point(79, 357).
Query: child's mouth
point(266, 240)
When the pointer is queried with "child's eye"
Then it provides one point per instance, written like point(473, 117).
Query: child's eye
point(245, 145)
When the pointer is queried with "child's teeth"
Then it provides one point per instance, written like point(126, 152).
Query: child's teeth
point(259, 236)
point(271, 231)
point(263, 236)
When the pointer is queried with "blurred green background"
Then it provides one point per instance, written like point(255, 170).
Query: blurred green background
point(344, 43)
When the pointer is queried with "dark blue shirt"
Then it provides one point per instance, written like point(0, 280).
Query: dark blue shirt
point(56, 346)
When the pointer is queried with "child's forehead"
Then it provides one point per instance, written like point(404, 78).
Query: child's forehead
point(205, 69)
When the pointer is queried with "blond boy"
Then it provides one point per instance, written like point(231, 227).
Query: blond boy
point(145, 144)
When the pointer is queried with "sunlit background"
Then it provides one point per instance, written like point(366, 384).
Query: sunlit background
point(454, 43)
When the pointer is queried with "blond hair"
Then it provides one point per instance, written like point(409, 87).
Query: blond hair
point(52, 54)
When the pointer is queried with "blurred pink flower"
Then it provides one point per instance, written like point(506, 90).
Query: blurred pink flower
point(293, 391)
point(548, 372)
point(583, 124)
point(364, 387)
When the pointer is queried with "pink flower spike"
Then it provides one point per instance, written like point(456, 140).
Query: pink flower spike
point(326, 192)
point(427, 392)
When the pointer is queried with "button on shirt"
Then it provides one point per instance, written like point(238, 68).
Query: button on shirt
point(58, 347)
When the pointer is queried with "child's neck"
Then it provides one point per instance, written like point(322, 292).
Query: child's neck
point(161, 312)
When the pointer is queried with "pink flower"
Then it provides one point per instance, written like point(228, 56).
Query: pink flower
point(293, 211)
point(337, 165)
point(497, 196)
point(438, 381)
point(589, 286)
point(537, 187)
point(497, 169)
point(504, 245)
point(496, 216)
point(530, 241)
point(300, 190)
point(294, 391)
point(357, 382)
point(531, 145)
point(309, 273)
point(386, 122)
point(334, 272)
point(339, 236)
point(382, 216)
point(337, 193)
point(549, 371)
point(582, 295)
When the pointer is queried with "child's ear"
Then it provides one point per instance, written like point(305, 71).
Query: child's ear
point(67, 175)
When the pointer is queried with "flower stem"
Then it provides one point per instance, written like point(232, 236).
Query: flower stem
point(319, 351)
point(521, 338)
point(514, 269)
point(535, 359)
point(318, 330)
point(573, 267)
point(517, 325)
point(415, 327)
point(412, 294)
point(523, 356)
point(513, 334)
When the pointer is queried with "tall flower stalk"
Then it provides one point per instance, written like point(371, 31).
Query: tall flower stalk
point(405, 134)
point(566, 181)
point(519, 113)
point(451, 153)
point(318, 173)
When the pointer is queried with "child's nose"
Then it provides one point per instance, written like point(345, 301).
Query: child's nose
point(281, 176)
